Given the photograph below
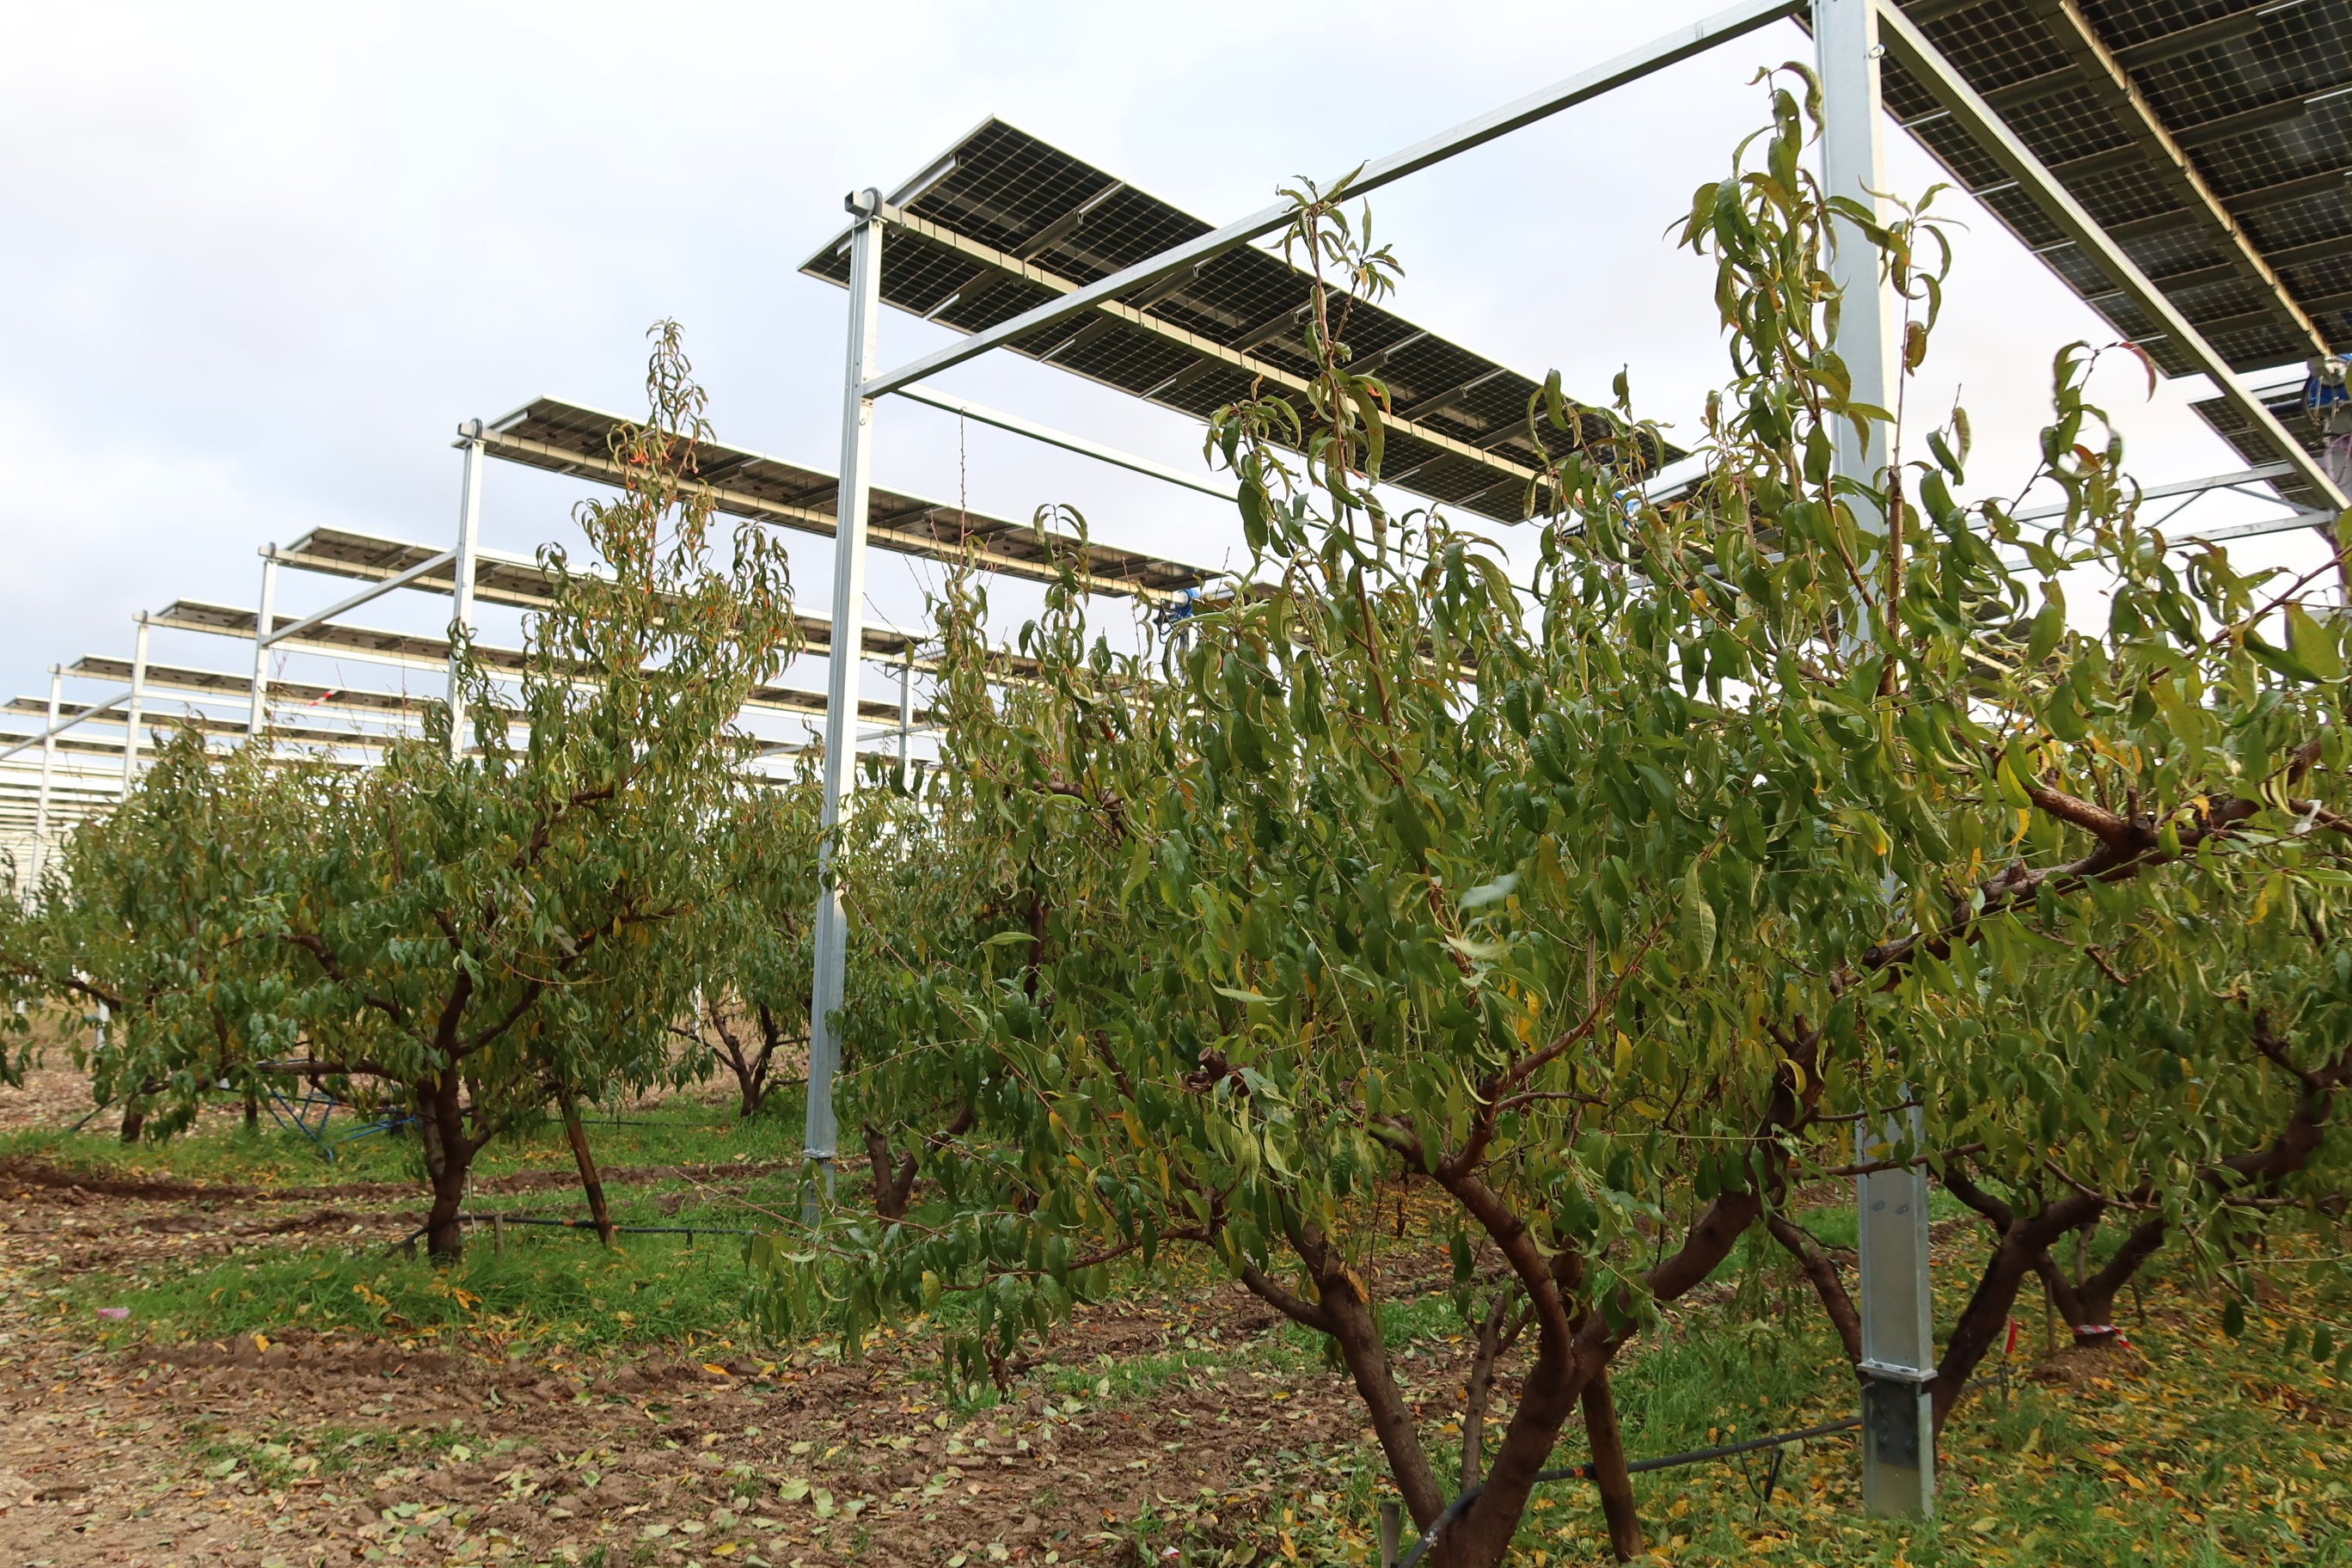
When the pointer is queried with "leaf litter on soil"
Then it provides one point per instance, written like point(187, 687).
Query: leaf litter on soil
point(1180, 1420)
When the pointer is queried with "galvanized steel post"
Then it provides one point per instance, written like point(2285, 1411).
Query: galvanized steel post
point(138, 697)
point(905, 709)
point(264, 622)
point(469, 539)
point(1898, 1347)
point(844, 666)
point(1898, 1453)
point(49, 765)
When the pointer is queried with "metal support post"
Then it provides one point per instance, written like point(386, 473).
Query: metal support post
point(469, 542)
point(257, 715)
point(845, 666)
point(1899, 1351)
point(906, 709)
point(1845, 35)
point(138, 696)
point(1898, 1459)
point(48, 766)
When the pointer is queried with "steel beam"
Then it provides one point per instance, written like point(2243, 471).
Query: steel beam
point(1845, 38)
point(2253, 529)
point(906, 712)
point(58, 726)
point(1679, 45)
point(1926, 62)
point(981, 414)
point(844, 668)
point(808, 520)
point(376, 590)
point(2178, 487)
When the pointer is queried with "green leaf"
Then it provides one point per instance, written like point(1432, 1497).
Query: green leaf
point(1945, 456)
point(2011, 788)
point(1698, 923)
point(1493, 892)
point(2282, 661)
point(2048, 627)
point(2313, 644)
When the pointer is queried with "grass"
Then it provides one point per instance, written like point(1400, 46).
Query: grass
point(564, 1288)
point(549, 1286)
point(223, 1151)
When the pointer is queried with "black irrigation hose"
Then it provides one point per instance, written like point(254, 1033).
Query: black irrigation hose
point(620, 1229)
point(1455, 1509)
point(690, 1230)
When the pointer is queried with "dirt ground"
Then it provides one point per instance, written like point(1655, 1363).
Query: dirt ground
point(310, 1449)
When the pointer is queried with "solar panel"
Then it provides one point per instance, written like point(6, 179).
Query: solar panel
point(295, 734)
point(519, 580)
point(498, 578)
point(2212, 139)
point(416, 652)
point(571, 438)
point(223, 686)
point(1003, 222)
point(2285, 405)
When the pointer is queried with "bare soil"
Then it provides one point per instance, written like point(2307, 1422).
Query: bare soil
point(160, 1455)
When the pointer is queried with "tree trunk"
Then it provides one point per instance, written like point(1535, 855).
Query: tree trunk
point(134, 1120)
point(1828, 1284)
point(590, 1182)
point(448, 1159)
point(1495, 1334)
point(252, 1109)
point(750, 1070)
point(2096, 1295)
point(2024, 1240)
point(2087, 1302)
point(1344, 1315)
point(893, 1181)
point(1609, 1472)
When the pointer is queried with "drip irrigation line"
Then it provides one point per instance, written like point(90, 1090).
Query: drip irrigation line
point(1460, 1505)
point(1455, 1509)
point(479, 1220)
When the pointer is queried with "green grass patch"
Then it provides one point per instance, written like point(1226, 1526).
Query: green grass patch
point(563, 1289)
point(679, 1131)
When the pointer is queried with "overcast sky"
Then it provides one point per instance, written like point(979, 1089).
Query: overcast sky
point(262, 260)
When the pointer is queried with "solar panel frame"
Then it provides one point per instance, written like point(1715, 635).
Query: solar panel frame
point(2243, 88)
point(1027, 201)
point(572, 438)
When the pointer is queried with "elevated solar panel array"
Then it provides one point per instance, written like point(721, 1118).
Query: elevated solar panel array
point(1003, 222)
point(2211, 138)
point(571, 438)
